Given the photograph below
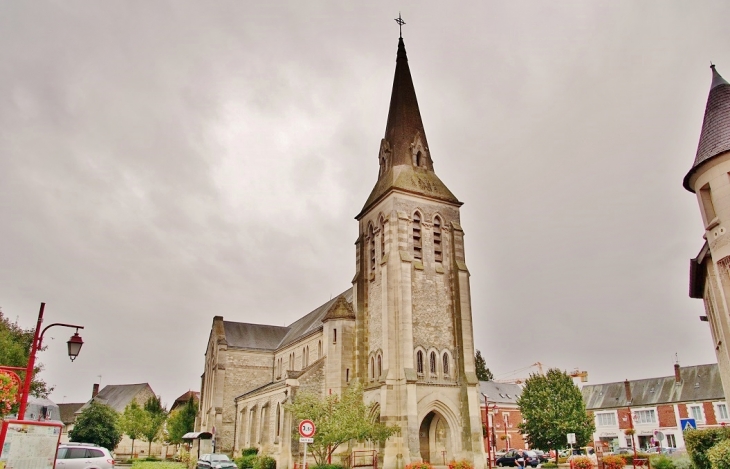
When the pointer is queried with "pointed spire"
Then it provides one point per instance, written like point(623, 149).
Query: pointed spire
point(405, 159)
point(404, 125)
point(715, 134)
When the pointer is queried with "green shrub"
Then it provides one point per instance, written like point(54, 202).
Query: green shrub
point(329, 466)
point(661, 461)
point(611, 462)
point(682, 461)
point(699, 442)
point(719, 455)
point(265, 462)
point(249, 451)
point(246, 461)
point(549, 465)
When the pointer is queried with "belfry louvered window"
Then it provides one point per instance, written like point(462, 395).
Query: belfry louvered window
point(432, 363)
point(437, 248)
point(419, 362)
point(446, 364)
point(417, 249)
point(372, 248)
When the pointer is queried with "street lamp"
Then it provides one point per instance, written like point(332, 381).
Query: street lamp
point(74, 347)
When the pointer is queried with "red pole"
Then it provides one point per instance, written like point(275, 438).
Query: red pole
point(486, 424)
point(31, 364)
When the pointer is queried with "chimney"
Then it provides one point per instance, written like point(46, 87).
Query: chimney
point(677, 377)
point(95, 390)
point(627, 388)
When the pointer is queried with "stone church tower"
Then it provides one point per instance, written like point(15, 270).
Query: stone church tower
point(709, 179)
point(414, 347)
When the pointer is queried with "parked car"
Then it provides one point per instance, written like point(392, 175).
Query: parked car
point(542, 455)
point(510, 458)
point(83, 456)
point(215, 461)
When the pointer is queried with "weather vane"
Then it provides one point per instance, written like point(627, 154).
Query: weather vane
point(400, 22)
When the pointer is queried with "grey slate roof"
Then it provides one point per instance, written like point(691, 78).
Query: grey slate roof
point(117, 396)
point(499, 393)
point(256, 336)
point(698, 383)
point(715, 134)
point(68, 411)
point(263, 337)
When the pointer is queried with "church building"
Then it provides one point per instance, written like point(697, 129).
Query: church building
point(403, 330)
point(709, 179)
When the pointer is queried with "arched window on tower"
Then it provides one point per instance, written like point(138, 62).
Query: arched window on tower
point(371, 236)
point(446, 364)
point(419, 363)
point(432, 363)
point(417, 251)
point(372, 368)
point(437, 248)
point(380, 366)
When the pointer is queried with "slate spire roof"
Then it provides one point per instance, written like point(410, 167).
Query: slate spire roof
point(715, 135)
point(405, 158)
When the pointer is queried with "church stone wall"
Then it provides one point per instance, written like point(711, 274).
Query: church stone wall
point(244, 370)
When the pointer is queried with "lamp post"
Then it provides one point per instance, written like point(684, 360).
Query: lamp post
point(74, 346)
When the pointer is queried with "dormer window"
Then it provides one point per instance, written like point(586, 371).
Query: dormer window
point(437, 248)
point(417, 249)
point(419, 157)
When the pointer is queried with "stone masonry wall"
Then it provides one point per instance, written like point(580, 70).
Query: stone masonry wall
point(245, 370)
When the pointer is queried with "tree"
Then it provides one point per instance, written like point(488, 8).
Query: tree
point(98, 424)
point(156, 416)
point(483, 373)
point(339, 419)
point(181, 421)
point(133, 422)
point(552, 406)
point(15, 344)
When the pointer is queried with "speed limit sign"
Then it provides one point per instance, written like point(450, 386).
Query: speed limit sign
point(306, 429)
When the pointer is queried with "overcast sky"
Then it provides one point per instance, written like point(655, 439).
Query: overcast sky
point(165, 162)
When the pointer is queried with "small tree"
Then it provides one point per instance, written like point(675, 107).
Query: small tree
point(133, 422)
point(181, 421)
point(15, 345)
point(552, 406)
point(156, 415)
point(483, 373)
point(98, 424)
point(339, 419)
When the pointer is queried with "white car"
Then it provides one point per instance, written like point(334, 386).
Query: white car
point(83, 456)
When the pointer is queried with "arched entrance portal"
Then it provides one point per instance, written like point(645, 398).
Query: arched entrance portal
point(435, 439)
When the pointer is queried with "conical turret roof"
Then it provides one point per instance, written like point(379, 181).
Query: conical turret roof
point(405, 158)
point(715, 135)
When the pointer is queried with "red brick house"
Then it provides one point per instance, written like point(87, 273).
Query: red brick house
point(656, 408)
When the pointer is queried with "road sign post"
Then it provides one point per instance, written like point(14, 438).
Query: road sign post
point(306, 435)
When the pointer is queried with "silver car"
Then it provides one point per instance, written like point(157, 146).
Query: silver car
point(215, 461)
point(83, 456)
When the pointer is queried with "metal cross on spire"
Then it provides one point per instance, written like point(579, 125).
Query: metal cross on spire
point(400, 22)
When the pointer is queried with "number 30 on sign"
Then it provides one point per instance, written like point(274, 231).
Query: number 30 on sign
point(306, 429)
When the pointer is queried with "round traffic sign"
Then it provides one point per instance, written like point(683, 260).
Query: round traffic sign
point(306, 428)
